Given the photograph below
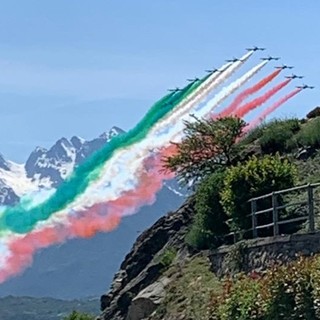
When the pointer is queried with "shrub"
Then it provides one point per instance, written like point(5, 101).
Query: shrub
point(166, 257)
point(253, 178)
point(309, 136)
point(210, 220)
point(254, 134)
point(314, 113)
point(278, 136)
point(283, 292)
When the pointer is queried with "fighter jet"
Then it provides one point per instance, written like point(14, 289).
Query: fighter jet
point(193, 80)
point(174, 90)
point(284, 66)
point(294, 76)
point(269, 58)
point(233, 60)
point(213, 70)
point(255, 49)
point(304, 86)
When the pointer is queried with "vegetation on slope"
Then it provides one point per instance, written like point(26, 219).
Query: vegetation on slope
point(226, 173)
point(273, 156)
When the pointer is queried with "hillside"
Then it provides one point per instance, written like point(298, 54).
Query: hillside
point(165, 277)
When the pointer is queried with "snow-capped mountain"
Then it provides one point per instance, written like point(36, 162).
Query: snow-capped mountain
point(79, 267)
point(47, 168)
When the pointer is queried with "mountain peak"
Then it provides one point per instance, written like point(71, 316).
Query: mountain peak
point(77, 142)
point(114, 131)
point(3, 163)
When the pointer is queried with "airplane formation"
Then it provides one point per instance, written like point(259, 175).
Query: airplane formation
point(268, 58)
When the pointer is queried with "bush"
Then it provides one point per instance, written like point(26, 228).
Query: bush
point(210, 220)
point(166, 257)
point(278, 136)
point(253, 178)
point(254, 134)
point(314, 113)
point(309, 136)
point(283, 292)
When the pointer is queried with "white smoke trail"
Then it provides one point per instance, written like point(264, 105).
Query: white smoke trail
point(117, 169)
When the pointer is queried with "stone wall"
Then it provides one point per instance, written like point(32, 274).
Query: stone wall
point(259, 254)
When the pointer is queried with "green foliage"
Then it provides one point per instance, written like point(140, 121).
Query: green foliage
point(283, 292)
point(79, 316)
point(166, 257)
point(189, 293)
point(210, 220)
point(277, 136)
point(235, 259)
point(239, 301)
point(208, 146)
point(254, 134)
point(310, 134)
point(250, 179)
point(314, 113)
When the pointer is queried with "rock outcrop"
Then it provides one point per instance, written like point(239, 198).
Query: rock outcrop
point(137, 287)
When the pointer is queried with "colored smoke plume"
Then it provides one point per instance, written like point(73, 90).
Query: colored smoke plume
point(246, 93)
point(260, 100)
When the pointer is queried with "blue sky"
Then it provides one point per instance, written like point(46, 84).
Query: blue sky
point(79, 67)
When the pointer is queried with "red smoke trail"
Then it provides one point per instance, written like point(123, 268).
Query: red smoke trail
point(102, 217)
point(260, 100)
point(246, 93)
point(272, 108)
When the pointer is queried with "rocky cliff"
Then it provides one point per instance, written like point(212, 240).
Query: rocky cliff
point(137, 288)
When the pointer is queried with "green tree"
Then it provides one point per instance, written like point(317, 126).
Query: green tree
point(209, 222)
point(78, 316)
point(255, 177)
point(208, 145)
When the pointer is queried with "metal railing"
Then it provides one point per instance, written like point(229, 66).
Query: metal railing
point(272, 212)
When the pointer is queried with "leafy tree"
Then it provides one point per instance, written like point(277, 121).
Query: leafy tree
point(250, 179)
point(209, 222)
point(208, 145)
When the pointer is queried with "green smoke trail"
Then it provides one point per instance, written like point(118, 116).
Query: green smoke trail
point(21, 220)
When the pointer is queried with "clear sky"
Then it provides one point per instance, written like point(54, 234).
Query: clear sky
point(78, 67)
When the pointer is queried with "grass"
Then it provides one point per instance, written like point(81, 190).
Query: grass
point(190, 291)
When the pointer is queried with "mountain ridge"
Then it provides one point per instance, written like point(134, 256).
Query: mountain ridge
point(74, 261)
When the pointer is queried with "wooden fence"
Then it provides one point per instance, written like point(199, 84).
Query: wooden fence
point(275, 208)
point(272, 213)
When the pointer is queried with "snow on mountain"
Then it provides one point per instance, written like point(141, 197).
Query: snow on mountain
point(79, 267)
point(47, 168)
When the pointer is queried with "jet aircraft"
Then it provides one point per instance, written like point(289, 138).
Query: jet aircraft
point(233, 60)
point(304, 86)
point(255, 49)
point(294, 76)
point(193, 80)
point(213, 70)
point(175, 89)
point(284, 66)
point(270, 58)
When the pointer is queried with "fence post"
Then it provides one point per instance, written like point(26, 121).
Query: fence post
point(311, 208)
point(275, 214)
point(254, 218)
